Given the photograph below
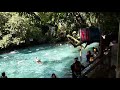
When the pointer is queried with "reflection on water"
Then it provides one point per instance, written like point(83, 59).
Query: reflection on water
point(55, 59)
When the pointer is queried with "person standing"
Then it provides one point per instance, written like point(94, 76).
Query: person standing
point(76, 68)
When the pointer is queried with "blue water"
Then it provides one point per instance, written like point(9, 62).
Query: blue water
point(55, 59)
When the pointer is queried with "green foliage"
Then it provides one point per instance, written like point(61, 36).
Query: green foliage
point(19, 27)
point(6, 41)
point(108, 21)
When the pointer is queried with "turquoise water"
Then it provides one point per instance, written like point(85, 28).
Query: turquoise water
point(55, 59)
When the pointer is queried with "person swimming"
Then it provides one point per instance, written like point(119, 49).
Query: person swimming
point(37, 60)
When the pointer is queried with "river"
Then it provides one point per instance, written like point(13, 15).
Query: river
point(55, 59)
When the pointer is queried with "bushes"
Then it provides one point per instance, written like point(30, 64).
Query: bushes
point(18, 27)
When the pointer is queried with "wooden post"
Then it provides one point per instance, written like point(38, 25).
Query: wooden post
point(118, 56)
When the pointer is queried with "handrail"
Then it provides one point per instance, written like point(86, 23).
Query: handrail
point(92, 65)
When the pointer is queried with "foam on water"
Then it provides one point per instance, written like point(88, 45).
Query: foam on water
point(13, 52)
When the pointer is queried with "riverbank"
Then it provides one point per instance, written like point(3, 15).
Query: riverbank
point(24, 46)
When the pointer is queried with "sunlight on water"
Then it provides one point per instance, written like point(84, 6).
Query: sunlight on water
point(55, 59)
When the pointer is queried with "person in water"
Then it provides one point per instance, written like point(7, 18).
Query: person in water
point(3, 75)
point(53, 76)
point(37, 60)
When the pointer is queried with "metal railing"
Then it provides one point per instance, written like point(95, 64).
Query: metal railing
point(95, 63)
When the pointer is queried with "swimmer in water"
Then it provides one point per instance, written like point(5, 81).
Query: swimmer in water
point(37, 60)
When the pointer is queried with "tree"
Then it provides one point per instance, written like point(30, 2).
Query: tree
point(19, 27)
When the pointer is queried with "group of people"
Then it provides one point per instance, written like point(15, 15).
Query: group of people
point(90, 57)
point(77, 67)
